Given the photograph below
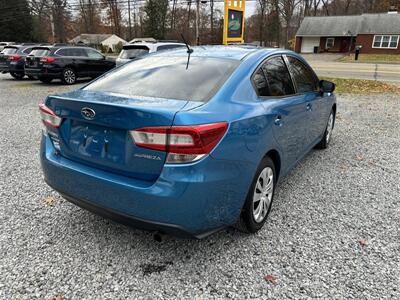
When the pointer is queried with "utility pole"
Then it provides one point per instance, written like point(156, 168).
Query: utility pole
point(53, 34)
point(197, 22)
point(129, 19)
point(134, 18)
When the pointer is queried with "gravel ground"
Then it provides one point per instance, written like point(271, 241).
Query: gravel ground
point(333, 231)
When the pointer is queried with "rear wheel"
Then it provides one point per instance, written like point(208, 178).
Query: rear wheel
point(45, 79)
point(17, 75)
point(68, 76)
point(259, 199)
point(323, 144)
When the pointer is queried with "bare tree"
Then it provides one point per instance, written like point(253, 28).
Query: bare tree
point(89, 15)
point(212, 20)
point(262, 10)
point(287, 9)
point(114, 14)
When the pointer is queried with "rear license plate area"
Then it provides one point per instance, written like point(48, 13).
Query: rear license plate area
point(96, 142)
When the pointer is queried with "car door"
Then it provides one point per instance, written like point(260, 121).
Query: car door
point(97, 62)
point(73, 57)
point(284, 106)
point(306, 83)
point(82, 62)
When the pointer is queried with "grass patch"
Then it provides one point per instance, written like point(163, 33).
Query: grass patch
point(361, 86)
point(373, 58)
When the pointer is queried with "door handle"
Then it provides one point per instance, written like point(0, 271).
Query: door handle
point(278, 120)
point(309, 107)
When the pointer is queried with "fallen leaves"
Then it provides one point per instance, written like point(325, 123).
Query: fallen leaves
point(359, 157)
point(361, 86)
point(270, 279)
point(49, 201)
point(363, 243)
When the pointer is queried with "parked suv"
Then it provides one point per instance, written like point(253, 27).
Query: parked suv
point(67, 63)
point(3, 44)
point(140, 48)
point(15, 60)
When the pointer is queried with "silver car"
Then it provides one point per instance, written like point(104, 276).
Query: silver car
point(140, 48)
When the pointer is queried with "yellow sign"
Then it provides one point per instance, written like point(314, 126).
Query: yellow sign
point(234, 21)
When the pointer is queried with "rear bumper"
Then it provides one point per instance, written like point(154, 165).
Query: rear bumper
point(4, 68)
point(46, 72)
point(188, 200)
point(16, 67)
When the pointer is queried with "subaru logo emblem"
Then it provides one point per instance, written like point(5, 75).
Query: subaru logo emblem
point(88, 113)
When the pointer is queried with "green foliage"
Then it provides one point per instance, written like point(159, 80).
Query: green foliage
point(154, 23)
point(118, 47)
point(103, 48)
point(15, 21)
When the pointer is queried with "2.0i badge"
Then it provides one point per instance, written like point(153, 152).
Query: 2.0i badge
point(88, 113)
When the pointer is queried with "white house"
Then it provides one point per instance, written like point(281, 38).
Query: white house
point(97, 40)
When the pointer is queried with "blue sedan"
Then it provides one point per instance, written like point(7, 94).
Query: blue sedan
point(187, 141)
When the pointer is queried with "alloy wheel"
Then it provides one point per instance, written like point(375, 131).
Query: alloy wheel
point(263, 193)
point(69, 76)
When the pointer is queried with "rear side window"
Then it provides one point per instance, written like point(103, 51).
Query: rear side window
point(303, 76)
point(134, 52)
point(27, 50)
point(40, 52)
point(277, 78)
point(260, 82)
point(64, 52)
point(168, 77)
point(71, 52)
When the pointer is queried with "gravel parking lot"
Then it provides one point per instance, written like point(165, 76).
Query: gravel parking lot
point(334, 229)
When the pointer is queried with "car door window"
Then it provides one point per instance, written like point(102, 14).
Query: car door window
point(278, 77)
point(79, 52)
point(65, 52)
point(303, 76)
point(93, 54)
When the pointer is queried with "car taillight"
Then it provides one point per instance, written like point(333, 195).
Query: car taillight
point(14, 57)
point(47, 59)
point(49, 118)
point(182, 143)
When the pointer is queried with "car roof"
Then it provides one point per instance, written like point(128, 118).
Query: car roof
point(235, 52)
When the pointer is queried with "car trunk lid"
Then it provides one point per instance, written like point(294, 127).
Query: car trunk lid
point(33, 60)
point(95, 130)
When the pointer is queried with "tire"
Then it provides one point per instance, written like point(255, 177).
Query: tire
point(45, 79)
point(32, 77)
point(323, 144)
point(68, 76)
point(250, 221)
point(17, 75)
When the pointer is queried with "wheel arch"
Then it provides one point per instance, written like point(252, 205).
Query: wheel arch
point(276, 158)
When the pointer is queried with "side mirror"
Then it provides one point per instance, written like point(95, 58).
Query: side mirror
point(326, 86)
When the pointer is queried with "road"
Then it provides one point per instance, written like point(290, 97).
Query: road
point(381, 72)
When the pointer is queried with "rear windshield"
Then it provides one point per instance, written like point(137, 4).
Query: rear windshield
point(9, 50)
point(40, 52)
point(168, 77)
point(132, 53)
